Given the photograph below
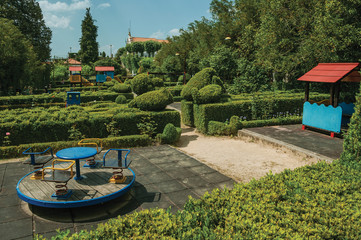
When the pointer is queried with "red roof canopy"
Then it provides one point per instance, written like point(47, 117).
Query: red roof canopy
point(104, 69)
point(75, 68)
point(332, 72)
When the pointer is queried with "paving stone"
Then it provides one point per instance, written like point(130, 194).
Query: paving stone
point(201, 169)
point(12, 213)
point(170, 186)
point(200, 191)
point(52, 214)
point(215, 177)
point(17, 229)
point(179, 198)
point(149, 169)
point(9, 200)
point(181, 173)
point(43, 225)
point(188, 162)
point(195, 181)
point(227, 184)
point(157, 177)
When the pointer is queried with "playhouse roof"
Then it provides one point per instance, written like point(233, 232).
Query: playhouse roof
point(104, 69)
point(72, 62)
point(332, 73)
point(75, 68)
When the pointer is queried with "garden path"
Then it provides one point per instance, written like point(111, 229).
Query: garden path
point(239, 159)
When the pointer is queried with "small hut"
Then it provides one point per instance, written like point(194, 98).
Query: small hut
point(329, 114)
point(75, 75)
point(103, 73)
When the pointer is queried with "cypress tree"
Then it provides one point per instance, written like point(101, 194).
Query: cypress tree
point(88, 41)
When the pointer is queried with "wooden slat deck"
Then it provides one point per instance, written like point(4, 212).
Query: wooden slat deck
point(94, 185)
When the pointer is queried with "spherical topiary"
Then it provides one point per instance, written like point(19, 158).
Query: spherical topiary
point(121, 99)
point(156, 100)
point(142, 84)
point(209, 94)
point(171, 134)
point(121, 88)
point(201, 79)
point(157, 82)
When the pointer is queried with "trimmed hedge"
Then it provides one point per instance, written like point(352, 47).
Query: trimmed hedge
point(187, 113)
point(113, 142)
point(156, 100)
point(54, 124)
point(255, 109)
point(142, 83)
point(209, 94)
point(121, 88)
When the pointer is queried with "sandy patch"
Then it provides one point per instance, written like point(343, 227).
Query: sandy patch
point(239, 159)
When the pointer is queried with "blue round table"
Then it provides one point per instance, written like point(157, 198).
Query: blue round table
point(76, 153)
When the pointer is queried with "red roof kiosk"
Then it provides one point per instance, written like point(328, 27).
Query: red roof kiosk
point(329, 114)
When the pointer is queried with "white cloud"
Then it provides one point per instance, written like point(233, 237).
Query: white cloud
point(59, 6)
point(174, 32)
point(54, 21)
point(104, 5)
point(158, 35)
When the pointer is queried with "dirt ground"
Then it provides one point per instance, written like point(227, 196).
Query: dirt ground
point(239, 159)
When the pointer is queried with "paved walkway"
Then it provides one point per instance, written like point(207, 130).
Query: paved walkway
point(308, 142)
point(165, 177)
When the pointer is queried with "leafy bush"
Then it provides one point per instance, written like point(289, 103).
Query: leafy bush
point(352, 142)
point(155, 100)
point(121, 99)
point(170, 135)
point(121, 88)
point(187, 113)
point(141, 84)
point(199, 80)
point(157, 82)
point(209, 94)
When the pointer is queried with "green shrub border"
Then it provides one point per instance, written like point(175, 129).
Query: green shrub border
point(111, 142)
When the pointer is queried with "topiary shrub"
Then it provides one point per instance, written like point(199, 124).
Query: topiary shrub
point(156, 100)
point(209, 94)
point(121, 99)
point(170, 135)
point(121, 88)
point(201, 79)
point(220, 128)
point(142, 84)
point(157, 82)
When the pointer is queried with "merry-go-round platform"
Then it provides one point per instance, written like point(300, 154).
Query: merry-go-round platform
point(93, 188)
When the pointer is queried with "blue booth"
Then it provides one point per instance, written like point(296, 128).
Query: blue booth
point(103, 73)
point(329, 114)
point(72, 98)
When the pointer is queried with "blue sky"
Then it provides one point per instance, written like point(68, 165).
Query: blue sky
point(146, 18)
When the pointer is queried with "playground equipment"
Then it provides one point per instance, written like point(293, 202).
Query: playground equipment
point(38, 160)
point(61, 176)
point(72, 98)
point(118, 164)
point(329, 115)
point(76, 77)
point(95, 143)
point(103, 73)
point(90, 187)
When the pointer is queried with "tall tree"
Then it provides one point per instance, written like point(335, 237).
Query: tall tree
point(18, 60)
point(28, 17)
point(88, 42)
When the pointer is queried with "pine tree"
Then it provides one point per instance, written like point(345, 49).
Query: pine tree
point(352, 142)
point(88, 41)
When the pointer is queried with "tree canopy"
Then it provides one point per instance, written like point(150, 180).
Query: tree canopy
point(282, 38)
point(28, 17)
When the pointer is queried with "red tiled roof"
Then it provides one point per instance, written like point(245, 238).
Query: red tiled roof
point(75, 68)
point(104, 69)
point(141, 39)
point(72, 62)
point(331, 72)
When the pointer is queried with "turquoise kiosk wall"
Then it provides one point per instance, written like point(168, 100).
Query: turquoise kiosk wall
point(103, 73)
